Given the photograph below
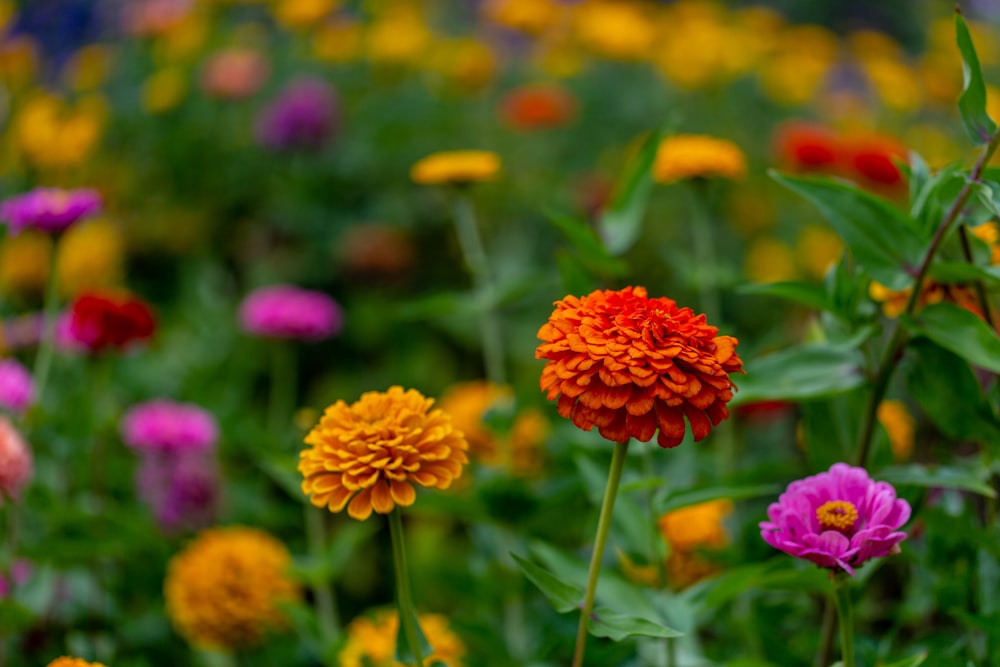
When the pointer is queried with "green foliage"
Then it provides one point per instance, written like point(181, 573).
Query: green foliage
point(978, 125)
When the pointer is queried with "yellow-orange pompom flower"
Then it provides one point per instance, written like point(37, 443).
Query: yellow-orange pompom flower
point(630, 365)
point(457, 167)
point(372, 451)
point(686, 156)
point(225, 590)
point(371, 642)
point(67, 661)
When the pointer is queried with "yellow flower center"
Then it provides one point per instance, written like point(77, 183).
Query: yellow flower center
point(837, 515)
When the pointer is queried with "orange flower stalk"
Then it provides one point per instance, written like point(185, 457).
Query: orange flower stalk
point(632, 365)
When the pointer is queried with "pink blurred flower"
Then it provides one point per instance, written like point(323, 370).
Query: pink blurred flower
point(837, 519)
point(144, 18)
point(181, 487)
point(303, 116)
point(164, 426)
point(49, 209)
point(234, 74)
point(17, 388)
point(16, 466)
point(286, 311)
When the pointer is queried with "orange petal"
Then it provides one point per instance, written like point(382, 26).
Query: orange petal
point(361, 507)
point(402, 493)
point(382, 501)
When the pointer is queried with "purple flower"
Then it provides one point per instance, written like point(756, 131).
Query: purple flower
point(303, 116)
point(163, 426)
point(837, 519)
point(181, 488)
point(286, 311)
point(17, 388)
point(49, 209)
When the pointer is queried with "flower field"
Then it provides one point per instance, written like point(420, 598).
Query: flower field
point(499, 333)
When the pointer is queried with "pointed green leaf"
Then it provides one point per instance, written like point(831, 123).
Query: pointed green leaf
point(576, 279)
point(960, 331)
point(805, 294)
point(948, 477)
point(800, 373)
point(563, 596)
point(963, 272)
point(621, 223)
point(616, 626)
point(972, 104)
point(734, 492)
point(405, 653)
point(914, 661)
point(884, 240)
point(587, 244)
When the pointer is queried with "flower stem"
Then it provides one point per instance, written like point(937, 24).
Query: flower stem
point(603, 526)
point(479, 267)
point(326, 609)
point(46, 346)
point(826, 634)
point(842, 598)
point(407, 613)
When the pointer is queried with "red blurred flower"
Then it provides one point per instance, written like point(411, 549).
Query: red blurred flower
point(806, 146)
point(537, 106)
point(873, 159)
point(99, 320)
point(631, 365)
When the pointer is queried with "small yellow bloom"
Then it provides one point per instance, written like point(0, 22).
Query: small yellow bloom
point(24, 262)
point(684, 156)
point(164, 90)
point(67, 661)
point(468, 63)
point(696, 526)
point(769, 260)
point(685, 568)
point(371, 642)
point(338, 41)
point(531, 16)
point(224, 591)
point(621, 30)
point(302, 14)
point(90, 255)
point(456, 167)
point(52, 134)
point(817, 249)
point(400, 37)
point(900, 425)
point(795, 71)
point(989, 233)
point(89, 67)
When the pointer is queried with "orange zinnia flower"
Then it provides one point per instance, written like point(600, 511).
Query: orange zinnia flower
point(631, 365)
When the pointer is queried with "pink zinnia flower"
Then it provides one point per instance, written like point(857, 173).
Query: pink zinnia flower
point(164, 426)
point(17, 388)
point(49, 209)
point(837, 519)
point(303, 116)
point(15, 461)
point(286, 311)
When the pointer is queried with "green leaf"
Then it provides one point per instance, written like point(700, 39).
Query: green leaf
point(563, 596)
point(913, 661)
point(576, 279)
point(621, 224)
point(800, 373)
point(958, 330)
point(283, 470)
point(884, 240)
point(963, 272)
point(404, 652)
point(972, 103)
point(949, 477)
point(587, 244)
point(805, 294)
point(616, 626)
point(735, 492)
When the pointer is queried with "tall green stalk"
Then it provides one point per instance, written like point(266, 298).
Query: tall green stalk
point(407, 612)
point(603, 527)
point(46, 346)
point(845, 616)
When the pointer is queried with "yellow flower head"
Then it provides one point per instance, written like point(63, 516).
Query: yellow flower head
point(685, 568)
point(52, 134)
point(67, 661)
point(531, 16)
point(900, 425)
point(817, 249)
point(457, 167)
point(89, 67)
point(225, 589)
point(163, 90)
point(620, 30)
point(696, 526)
point(338, 41)
point(90, 255)
point(989, 233)
point(685, 156)
point(24, 262)
point(467, 63)
point(399, 37)
point(769, 260)
point(302, 14)
point(371, 642)
point(372, 451)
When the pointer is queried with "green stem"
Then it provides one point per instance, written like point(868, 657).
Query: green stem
point(842, 598)
point(898, 338)
point(326, 609)
point(407, 612)
point(826, 633)
point(479, 267)
point(46, 346)
point(603, 527)
point(281, 403)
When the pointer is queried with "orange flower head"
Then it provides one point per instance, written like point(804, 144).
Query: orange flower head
point(537, 106)
point(371, 641)
point(370, 452)
point(632, 365)
point(67, 661)
point(685, 156)
point(696, 526)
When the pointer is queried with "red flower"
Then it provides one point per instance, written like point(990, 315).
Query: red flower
point(537, 106)
point(806, 147)
point(99, 320)
point(873, 159)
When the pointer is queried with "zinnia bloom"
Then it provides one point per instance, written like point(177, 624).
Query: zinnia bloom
point(234, 74)
point(456, 167)
point(225, 590)
point(900, 427)
point(304, 116)
point(630, 365)
point(371, 642)
point(181, 488)
point(99, 320)
point(372, 451)
point(537, 107)
point(696, 526)
point(686, 156)
point(49, 209)
point(286, 311)
point(806, 146)
point(873, 161)
point(67, 661)
point(17, 388)
point(838, 519)
point(163, 426)
point(16, 465)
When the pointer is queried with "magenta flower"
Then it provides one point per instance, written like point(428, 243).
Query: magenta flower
point(163, 426)
point(16, 465)
point(182, 489)
point(17, 388)
point(837, 519)
point(303, 116)
point(49, 209)
point(286, 311)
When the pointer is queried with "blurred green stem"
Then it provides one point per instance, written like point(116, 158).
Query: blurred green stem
point(478, 264)
point(603, 527)
point(407, 613)
point(845, 617)
point(283, 380)
point(46, 346)
point(826, 633)
point(326, 609)
point(897, 340)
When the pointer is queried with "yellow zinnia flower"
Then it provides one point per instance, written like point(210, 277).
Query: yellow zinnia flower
point(338, 41)
point(989, 233)
point(224, 591)
point(899, 425)
point(399, 37)
point(24, 262)
point(67, 661)
point(371, 642)
point(163, 90)
point(302, 14)
point(769, 260)
point(90, 255)
point(696, 526)
point(620, 30)
point(372, 451)
point(456, 167)
point(54, 135)
point(531, 16)
point(685, 156)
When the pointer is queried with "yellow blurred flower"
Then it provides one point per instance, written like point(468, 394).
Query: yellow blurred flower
point(90, 255)
point(895, 83)
point(163, 90)
point(750, 210)
point(18, 61)
point(400, 37)
point(338, 41)
point(894, 301)
point(795, 71)
point(989, 233)
point(466, 62)
point(8, 10)
point(89, 67)
point(24, 262)
point(225, 589)
point(53, 134)
point(817, 249)
point(769, 260)
point(531, 16)
point(371, 642)
point(67, 661)
point(696, 526)
point(302, 14)
point(685, 568)
point(558, 56)
point(684, 156)
point(900, 426)
point(183, 40)
point(456, 167)
point(622, 29)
